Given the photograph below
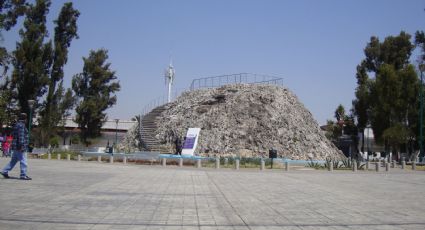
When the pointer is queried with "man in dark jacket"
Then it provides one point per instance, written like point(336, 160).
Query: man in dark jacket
point(19, 147)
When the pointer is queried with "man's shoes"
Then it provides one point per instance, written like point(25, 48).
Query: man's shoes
point(5, 175)
point(25, 178)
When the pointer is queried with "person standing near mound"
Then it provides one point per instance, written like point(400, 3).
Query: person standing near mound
point(19, 147)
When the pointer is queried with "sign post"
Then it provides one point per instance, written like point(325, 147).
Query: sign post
point(190, 141)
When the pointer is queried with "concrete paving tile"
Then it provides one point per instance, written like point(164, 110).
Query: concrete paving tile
point(189, 198)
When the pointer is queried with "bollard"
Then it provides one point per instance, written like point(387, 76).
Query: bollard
point(68, 157)
point(387, 166)
point(124, 160)
point(49, 156)
point(414, 165)
point(226, 162)
point(111, 159)
point(377, 165)
point(79, 157)
point(217, 162)
point(262, 165)
point(99, 158)
point(237, 164)
point(354, 166)
point(181, 162)
point(330, 167)
point(393, 164)
point(164, 162)
point(367, 165)
point(59, 156)
point(198, 163)
point(403, 165)
point(379, 162)
point(287, 166)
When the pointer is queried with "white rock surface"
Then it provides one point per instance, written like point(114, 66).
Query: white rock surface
point(245, 120)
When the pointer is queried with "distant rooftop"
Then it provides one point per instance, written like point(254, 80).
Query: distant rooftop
point(109, 125)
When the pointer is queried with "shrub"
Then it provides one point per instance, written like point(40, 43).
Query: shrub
point(54, 141)
point(75, 139)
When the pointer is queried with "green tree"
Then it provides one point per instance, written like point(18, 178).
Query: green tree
point(6, 110)
point(388, 101)
point(361, 101)
point(344, 126)
point(333, 131)
point(420, 42)
point(95, 87)
point(32, 58)
point(56, 105)
point(10, 11)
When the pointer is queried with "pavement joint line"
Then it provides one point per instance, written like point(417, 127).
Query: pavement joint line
point(228, 202)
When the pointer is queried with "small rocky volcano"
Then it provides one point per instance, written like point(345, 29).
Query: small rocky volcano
point(245, 120)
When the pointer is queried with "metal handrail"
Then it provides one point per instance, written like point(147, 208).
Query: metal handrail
point(240, 78)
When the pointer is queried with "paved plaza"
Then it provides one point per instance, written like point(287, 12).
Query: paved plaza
point(91, 195)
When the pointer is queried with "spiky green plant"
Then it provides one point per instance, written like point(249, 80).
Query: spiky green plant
point(312, 164)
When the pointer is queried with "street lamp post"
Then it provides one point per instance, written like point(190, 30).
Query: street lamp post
point(31, 106)
point(421, 112)
point(116, 131)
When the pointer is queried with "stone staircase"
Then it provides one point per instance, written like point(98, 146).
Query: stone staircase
point(149, 126)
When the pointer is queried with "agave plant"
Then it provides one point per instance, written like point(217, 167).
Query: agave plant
point(348, 163)
point(333, 161)
point(313, 164)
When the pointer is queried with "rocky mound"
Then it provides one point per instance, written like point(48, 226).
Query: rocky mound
point(245, 120)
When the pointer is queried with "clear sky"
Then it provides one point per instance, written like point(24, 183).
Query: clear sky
point(314, 45)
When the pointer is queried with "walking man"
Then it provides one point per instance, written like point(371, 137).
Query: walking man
point(19, 147)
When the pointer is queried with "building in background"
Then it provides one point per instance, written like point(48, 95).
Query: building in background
point(111, 131)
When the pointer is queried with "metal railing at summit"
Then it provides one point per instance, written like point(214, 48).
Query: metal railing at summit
point(240, 78)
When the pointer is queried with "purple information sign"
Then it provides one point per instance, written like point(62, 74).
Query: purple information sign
point(189, 142)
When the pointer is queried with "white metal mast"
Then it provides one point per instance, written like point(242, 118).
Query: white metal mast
point(169, 77)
